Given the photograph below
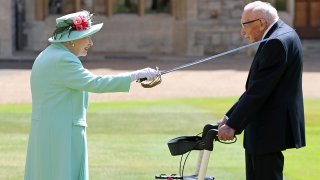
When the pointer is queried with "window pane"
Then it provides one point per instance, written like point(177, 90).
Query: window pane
point(157, 6)
point(281, 5)
point(87, 5)
point(69, 6)
point(55, 7)
point(126, 6)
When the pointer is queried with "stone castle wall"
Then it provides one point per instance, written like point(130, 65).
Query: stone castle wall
point(7, 29)
point(202, 27)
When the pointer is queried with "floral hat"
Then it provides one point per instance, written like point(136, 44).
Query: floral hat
point(74, 26)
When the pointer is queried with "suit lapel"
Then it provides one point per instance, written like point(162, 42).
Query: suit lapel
point(269, 33)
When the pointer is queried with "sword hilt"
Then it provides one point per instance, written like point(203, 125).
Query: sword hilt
point(141, 80)
point(144, 79)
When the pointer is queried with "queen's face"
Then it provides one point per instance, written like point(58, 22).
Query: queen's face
point(81, 46)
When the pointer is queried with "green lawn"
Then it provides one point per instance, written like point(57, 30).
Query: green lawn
point(127, 140)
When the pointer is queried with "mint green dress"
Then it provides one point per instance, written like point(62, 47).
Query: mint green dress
point(57, 147)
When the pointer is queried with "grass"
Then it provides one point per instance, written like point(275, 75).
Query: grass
point(127, 140)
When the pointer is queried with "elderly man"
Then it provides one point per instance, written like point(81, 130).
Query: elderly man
point(270, 111)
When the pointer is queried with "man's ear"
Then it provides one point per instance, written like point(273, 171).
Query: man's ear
point(263, 24)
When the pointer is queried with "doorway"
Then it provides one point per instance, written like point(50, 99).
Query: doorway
point(307, 18)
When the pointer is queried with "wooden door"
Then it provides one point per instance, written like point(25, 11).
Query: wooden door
point(307, 18)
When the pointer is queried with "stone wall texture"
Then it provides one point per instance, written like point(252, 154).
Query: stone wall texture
point(7, 29)
point(198, 28)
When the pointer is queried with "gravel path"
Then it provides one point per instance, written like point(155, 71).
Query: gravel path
point(223, 77)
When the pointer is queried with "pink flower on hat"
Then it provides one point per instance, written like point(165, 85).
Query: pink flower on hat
point(77, 22)
point(80, 23)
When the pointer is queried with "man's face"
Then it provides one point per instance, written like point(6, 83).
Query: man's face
point(253, 27)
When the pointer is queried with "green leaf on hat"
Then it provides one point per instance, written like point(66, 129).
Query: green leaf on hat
point(65, 27)
point(65, 23)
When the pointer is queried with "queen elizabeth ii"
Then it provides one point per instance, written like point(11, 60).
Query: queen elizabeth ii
point(57, 147)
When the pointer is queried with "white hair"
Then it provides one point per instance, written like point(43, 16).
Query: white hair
point(264, 10)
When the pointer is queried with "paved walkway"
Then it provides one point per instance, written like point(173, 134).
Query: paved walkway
point(224, 76)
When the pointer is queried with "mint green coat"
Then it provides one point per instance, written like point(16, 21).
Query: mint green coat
point(57, 148)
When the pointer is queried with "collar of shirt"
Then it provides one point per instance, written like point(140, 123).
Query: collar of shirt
point(269, 28)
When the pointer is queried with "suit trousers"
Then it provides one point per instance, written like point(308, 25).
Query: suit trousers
point(265, 166)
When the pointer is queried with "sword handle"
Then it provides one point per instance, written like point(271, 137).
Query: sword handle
point(144, 79)
point(141, 80)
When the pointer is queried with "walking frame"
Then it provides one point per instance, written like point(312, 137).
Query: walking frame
point(186, 144)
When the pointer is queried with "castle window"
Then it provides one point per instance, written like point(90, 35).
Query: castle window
point(281, 5)
point(108, 7)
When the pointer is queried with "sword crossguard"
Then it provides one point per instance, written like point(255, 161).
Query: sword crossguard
point(153, 83)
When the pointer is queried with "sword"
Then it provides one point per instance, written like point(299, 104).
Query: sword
point(212, 57)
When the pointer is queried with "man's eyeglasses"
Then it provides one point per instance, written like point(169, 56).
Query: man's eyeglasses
point(248, 22)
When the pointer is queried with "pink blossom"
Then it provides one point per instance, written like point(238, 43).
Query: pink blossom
point(80, 23)
point(77, 20)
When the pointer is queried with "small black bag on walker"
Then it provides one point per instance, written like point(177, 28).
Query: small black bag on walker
point(186, 144)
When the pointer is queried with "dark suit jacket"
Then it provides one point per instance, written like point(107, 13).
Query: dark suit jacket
point(271, 109)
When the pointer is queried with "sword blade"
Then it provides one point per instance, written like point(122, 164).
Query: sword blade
point(219, 55)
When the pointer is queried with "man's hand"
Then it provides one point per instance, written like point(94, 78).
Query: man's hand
point(222, 121)
point(225, 133)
